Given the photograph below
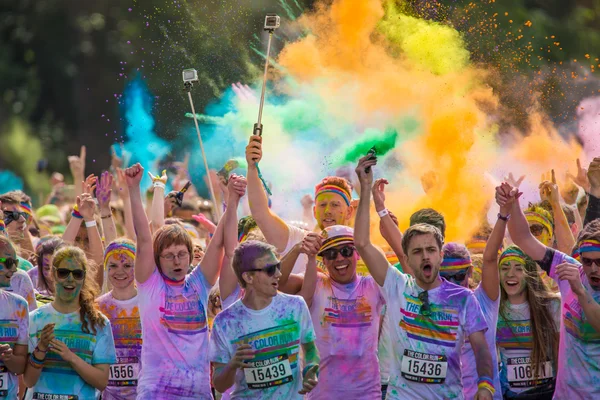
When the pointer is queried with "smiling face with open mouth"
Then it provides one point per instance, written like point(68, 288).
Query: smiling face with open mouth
point(342, 268)
point(68, 278)
point(8, 256)
point(590, 261)
point(120, 270)
point(513, 279)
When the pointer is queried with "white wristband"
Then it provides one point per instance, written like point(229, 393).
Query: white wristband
point(90, 224)
point(383, 213)
point(159, 184)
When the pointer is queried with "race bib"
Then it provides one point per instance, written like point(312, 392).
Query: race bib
point(124, 374)
point(3, 381)
point(423, 367)
point(274, 371)
point(50, 396)
point(520, 374)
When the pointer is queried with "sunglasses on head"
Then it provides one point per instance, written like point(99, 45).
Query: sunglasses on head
point(588, 262)
point(10, 216)
point(456, 278)
point(425, 307)
point(9, 262)
point(63, 273)
point(270, 270)
point(536, 230)
point(331, 254)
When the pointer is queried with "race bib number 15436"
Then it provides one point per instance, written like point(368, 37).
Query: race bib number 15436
point(423, 367)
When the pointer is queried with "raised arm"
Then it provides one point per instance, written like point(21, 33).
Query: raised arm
point(372, 256)
point(144, 257)
point(77, 167)
point(310, 246)
point(157, 213)
point(123, 193)
point(274, 228)
point(388, 227)
point(87, 207)
point(519, 228)
point(564, 237)
point(103, 194)
point(593, 209)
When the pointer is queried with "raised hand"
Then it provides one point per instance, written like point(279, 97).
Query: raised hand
point(506, 195)
point(86, 206)
point(236, 187)
point(121, 185)
point(365, 177)
point(311, 244)
point(104, 190)
point(162, 178)
point(133, 175)
point(77, 164)
point(549, 190)
point(307, 201)
point(379, 194)
point(89, 185)
point(429, 180)
point(254, 150)
point(581, 179)
point(512, 181)
point(593, 175)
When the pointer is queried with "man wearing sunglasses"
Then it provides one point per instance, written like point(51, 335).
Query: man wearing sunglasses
point(15, 220)
point(255, 343)
point(346, 311)
point(429, 318)
point(14, 325)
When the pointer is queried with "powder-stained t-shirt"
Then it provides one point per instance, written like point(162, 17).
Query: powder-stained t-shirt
point(24, 265)
point(174, 338)
point(578, 374)
point(426, 349)
point(295, 236)
point(14, 329)
point(515, 344)
point(346, 321)
point(276, 333)
point(468, 365)
point(20, 283)
point(124, 318)
point(58, 377)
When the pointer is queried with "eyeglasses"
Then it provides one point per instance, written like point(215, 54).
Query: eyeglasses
point(588, 262)
point(270, 270)
point(10, 216)
point(63, 273)
point(456, 278)
point(171, 257)
point(9, 262)
point(331, 254)
point(425, 307)
point(536, 230)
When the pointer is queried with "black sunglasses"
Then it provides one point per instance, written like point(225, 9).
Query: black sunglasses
point(536, 230)
point(588, 262)
point(9, 262)
point(270, 270)
point(456, 278)
point(10, 216)
point(331, 254)
point(63, 273)
point(425, 307)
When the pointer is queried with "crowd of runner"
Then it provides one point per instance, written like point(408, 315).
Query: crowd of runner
point(109, 291)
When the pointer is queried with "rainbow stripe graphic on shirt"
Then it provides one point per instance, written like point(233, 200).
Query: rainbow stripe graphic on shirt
point(514, 334)
point(441, 327)
point(184, 315)
point(576, 325)
point(9, 331)
point(79, 343)
point(272, 342)
point(348, 313)
point(126, 329)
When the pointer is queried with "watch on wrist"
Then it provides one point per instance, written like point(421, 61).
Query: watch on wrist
point(503, 218)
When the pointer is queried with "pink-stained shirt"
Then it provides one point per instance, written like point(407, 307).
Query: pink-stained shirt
point(175, 338)
point(346, 321)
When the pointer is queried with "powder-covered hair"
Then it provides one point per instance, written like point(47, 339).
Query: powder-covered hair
point(431, 217)
point(246, 254)
point(340, 182)
point(421, 229)
point(90, 315)
point(46, 246)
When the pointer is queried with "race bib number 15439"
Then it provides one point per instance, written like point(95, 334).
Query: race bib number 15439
point(267, 373)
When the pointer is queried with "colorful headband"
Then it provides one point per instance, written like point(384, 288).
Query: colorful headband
point(242, 237)
point(334, 189)
point(511, 254)
point(455, 264)
point(476, 244)
point(119, 248)
point(26, 209)
point(585, 246)
point(2, 225)
point(533, 216)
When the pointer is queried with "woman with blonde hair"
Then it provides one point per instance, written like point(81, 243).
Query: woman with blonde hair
point(70, 341)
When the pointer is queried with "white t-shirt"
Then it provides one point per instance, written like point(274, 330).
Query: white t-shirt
point(468, 365)
point(578, 374)
point(58, 377)
point(14, 329)
point(124, 318)
point(295, 236)
point(276, 333)
point(515, 343)
point(426, 349)
point(21, 284)
point(346, 321)
point(175, 338)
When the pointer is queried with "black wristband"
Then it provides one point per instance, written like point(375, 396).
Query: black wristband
point(503, 218)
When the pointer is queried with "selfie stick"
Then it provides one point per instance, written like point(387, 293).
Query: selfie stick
point(271, 23)
point(187, 86)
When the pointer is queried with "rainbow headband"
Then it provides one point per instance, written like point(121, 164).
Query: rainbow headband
point(533, 216)
point(2, 225)
point(586, 246)
point(242, 237)
point(511, 255)
point(26, 209)
point(455, 264)
point(119, 248)
point(334, 189)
